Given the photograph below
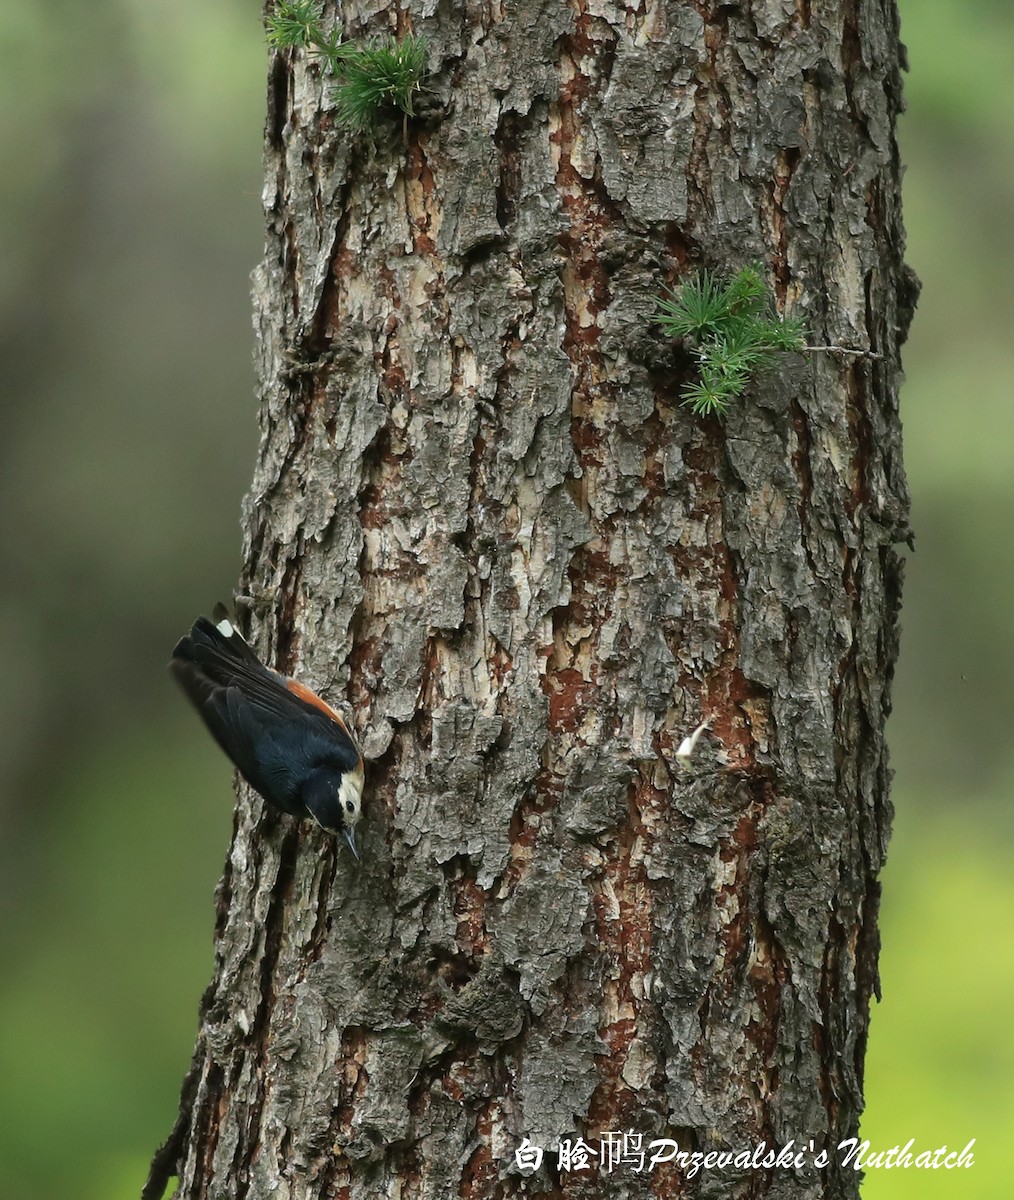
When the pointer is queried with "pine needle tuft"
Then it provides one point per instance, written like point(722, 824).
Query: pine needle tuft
point(383, 74)
point(732, 328)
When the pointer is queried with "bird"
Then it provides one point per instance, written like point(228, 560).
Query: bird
point(288, 744)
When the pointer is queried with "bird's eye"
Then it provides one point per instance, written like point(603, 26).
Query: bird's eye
point(350, 806)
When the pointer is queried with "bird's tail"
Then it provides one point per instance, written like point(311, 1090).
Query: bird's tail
point(217, 649)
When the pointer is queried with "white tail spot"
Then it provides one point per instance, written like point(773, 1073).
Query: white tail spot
point(225, 629)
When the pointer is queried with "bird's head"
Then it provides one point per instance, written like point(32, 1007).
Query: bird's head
point(334, 800)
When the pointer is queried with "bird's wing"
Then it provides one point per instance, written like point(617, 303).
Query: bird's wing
point(269, 716)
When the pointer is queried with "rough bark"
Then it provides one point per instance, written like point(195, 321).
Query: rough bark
point(482, 518)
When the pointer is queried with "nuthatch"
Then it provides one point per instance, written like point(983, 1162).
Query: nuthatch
point(286, 742)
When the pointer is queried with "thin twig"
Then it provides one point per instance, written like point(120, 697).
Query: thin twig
point(845, 350)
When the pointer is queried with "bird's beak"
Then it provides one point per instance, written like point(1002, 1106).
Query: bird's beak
point(350, 838)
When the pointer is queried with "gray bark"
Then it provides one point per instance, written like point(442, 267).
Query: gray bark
point(481, 517)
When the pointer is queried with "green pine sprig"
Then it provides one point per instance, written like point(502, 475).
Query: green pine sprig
point(296, 24)
point(379, 75)
point(732, 329)
point(382, 74)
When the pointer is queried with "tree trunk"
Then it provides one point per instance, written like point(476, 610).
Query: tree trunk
point(482, 517)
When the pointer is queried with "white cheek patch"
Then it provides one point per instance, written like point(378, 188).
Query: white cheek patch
point(225, 629)
point(351, 791)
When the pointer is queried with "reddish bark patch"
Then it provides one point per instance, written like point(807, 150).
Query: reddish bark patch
point(785, 165)
point(499, 664)
point(622, 904)
point(420, 190)
point(469, 907)
point(365, 664)
point(523, 834)
point(480, 1177)
point(569, 695)
point(352, 1080)
point(769, 974)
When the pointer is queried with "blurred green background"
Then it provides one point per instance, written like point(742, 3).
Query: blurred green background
point(130, 198)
